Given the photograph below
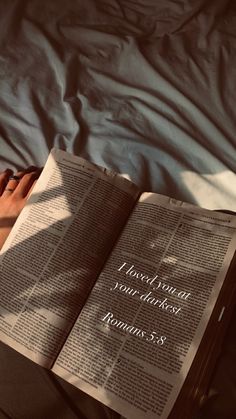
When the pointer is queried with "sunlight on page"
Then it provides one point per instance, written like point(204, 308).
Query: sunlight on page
point(170, 259)
point(155, 289)
point(55, 251)
point(36, 234)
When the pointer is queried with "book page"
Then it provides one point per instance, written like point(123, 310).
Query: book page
point(135, 339)
point(56, 250)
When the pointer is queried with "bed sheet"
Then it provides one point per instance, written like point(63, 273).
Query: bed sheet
point(146, 88)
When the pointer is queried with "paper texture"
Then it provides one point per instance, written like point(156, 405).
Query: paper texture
point(56, 250)
point(139, 331)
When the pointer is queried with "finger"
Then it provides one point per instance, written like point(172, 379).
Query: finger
point(25, 184)
point(4, 176)
point(15, 179)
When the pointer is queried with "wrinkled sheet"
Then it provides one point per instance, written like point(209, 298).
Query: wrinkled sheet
point(143, 87)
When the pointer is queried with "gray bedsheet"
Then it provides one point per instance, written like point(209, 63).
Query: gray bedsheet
point(144, 87)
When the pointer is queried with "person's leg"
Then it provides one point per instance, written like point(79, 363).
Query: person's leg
point(14, 191)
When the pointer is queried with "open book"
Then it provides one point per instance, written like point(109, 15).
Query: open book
point(123, 294)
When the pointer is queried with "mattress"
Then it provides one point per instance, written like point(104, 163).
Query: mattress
point(146, 88)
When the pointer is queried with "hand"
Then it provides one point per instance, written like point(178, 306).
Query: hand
point(14, 192)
